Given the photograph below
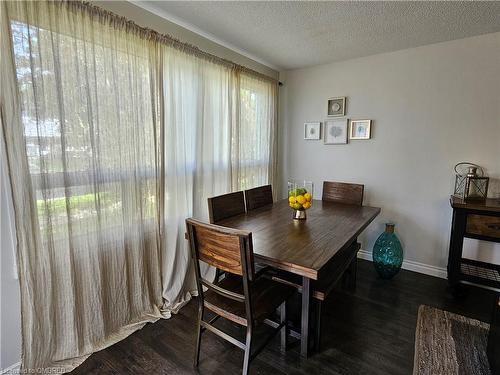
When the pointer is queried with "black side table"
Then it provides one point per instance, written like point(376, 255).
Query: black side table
point(494, 339)
point(481, 221)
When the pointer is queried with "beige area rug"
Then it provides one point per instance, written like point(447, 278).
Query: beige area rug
point(449, 344)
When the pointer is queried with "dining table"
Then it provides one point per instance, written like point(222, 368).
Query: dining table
point(303, 247)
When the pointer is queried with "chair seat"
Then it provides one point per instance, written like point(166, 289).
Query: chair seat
point(328, 276)
point(267, 296)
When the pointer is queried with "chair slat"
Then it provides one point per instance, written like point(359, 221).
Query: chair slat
point(223, 292)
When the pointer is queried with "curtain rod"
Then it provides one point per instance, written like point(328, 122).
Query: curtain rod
point(153, 35)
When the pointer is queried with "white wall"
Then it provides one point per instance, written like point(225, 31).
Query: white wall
point(432, 106)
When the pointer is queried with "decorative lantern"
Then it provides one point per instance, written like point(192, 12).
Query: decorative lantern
point(469, 185)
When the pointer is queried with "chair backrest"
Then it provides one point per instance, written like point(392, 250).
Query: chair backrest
point(342, 192)
point(225, 248)
point(223, 206)
point(258, 197)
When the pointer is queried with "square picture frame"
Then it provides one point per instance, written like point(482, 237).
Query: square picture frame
point(336, 106)
point(360, 129)
point(335, 131)
point(312, 131)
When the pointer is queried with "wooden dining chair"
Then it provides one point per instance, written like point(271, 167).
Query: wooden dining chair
point(342, 192)
point(258, 197)
point(241, 297)
point(222, 207)
point(227, 205)
point(342, 266)
point(345, 193)
point(321, 288)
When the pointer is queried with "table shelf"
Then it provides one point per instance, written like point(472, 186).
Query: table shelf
point(482, 273)
point(478, 220)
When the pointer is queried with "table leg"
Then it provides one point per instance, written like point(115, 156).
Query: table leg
point(494, 339)
point(456, 245)
point(304, 332)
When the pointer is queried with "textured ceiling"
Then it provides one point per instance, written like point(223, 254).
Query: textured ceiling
point(289, 35)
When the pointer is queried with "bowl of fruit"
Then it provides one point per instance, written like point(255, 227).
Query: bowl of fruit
point(300, 198)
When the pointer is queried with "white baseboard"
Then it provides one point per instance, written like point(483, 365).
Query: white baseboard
point(412, 266)
point(14, 369)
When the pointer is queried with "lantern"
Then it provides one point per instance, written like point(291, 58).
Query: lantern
point(469, 185)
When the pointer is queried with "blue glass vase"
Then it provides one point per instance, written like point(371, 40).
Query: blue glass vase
point(387, 253)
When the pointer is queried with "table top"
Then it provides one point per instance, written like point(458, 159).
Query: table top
point(302, 247)
point(490, 204)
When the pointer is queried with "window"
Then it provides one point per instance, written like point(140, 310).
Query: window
point(256, 138)
point(89, 143)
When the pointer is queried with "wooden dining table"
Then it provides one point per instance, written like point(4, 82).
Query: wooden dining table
point(303, 247)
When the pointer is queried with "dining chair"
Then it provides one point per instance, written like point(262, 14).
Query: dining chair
point(258, 197)
point(222, 207)
point(342, 266)
point(227, 205)
point(242, 297)
point(342, 192)
point(345, 193)
point(321, 288)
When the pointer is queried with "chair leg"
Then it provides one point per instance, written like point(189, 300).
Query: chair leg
point(248, 348)
point(284, 330)
point(317, 344)
point(198, 335)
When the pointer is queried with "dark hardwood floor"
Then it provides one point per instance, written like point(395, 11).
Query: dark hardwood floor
point(369, 331)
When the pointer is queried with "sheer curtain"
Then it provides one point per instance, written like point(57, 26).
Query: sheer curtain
point(254, 143)
point(84, 158)
point(114, 135)
point(220, 137)
point(198, 98)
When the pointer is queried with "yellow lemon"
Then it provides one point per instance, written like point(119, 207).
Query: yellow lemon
point(308, 197)
point(300, 199)
point(297, 206)
point(291, 200)
point(306, 205)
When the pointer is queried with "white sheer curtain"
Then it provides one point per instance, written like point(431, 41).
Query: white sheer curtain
point(114, 136)
point(84, 159)
point(254, 141)
point(197, 97)
point(220, 137)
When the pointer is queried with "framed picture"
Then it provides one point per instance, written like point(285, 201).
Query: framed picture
point(312, 130)
point(335, 131)
point(336, 106)
point(360, 129)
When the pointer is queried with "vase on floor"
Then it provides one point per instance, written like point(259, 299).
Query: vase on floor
point(387, 253)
